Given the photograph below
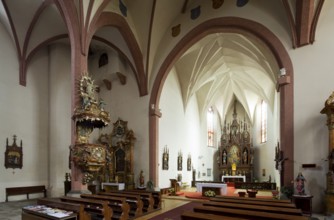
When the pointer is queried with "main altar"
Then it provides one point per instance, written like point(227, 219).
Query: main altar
point(236, 153)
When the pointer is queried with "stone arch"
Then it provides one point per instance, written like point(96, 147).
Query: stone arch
point(247, 28)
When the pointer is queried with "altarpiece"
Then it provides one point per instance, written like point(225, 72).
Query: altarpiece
point(120, 163)
point(236, 153)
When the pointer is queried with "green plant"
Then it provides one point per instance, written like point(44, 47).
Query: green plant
point(210, 193)
point(287, 191)
point(171, 191)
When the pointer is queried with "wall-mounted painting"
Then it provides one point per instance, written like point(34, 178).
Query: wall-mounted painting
point(165, 158)
point(179, 161)
point(189, 163)
point(13, 155)
point(208, 172)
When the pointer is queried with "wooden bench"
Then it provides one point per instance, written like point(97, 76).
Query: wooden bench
point(155, 194)
point(254, 202)
point(93, 207)
point(79, 209)
point(147, 198)
point(119, 205)
point(25, 190)
point(256, 199)
point(189, 215)
point(135, 202)
point(271, 209)
point(248, 214)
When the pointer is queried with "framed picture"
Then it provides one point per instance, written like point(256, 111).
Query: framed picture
point(165, 158)
point(179, 162)
point(13, 155)
point(189, 163)
point(208, 172)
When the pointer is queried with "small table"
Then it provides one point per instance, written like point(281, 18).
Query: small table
point(119, 186)
point(234, 177)
point(303, 202)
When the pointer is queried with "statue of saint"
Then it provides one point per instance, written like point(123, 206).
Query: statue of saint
point(141, 179)
point(300, 180)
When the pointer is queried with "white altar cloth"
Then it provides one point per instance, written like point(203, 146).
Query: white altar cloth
point(234, 177)
point(120, 186)
point(222, 186)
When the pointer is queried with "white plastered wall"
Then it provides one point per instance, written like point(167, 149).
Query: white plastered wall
point(23, 112)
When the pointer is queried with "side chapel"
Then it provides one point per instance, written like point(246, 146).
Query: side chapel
point(236, 153)
point(119, 158)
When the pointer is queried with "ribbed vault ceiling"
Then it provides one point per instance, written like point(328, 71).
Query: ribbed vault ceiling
point(226, 66)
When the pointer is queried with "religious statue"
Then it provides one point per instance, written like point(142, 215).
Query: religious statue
point(300, 187)
point(224, 157)
point(245, 155)
point(141, 179)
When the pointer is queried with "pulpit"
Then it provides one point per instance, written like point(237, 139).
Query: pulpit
point(329, 193)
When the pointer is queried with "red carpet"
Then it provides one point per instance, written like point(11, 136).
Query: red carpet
point(198, 195)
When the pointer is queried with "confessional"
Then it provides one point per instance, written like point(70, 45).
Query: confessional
point(236, 153)
point(119, 144)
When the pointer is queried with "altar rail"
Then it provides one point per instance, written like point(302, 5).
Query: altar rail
point(253, 185)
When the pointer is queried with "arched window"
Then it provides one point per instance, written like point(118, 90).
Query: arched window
point(264, 119)
point(210, 127)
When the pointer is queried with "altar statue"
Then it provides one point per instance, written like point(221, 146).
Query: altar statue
point(300, 180)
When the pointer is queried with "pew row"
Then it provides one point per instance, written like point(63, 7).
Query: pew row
point(252, 199)
point(247, 214)
point(146, 198)
point(189, 215)
point(96, 208)
point(119, 205)
point(271, 209)
point(155, 194)
point(254, 202)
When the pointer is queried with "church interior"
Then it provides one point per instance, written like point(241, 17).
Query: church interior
point(167, 96)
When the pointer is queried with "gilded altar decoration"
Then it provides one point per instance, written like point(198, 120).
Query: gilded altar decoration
point(119, 155)
point(236, 153)
point(13, 155)
point(89, 114)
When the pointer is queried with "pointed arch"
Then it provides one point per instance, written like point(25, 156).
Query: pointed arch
point(229, 25)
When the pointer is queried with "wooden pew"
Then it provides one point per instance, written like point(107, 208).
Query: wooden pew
point(79, 209)
point(257, 199)
point(94, 207)
point(251, 202)
point(248, 214)
point(147, 198)
point(189, 215)
point(135, 202)
point(155, 194)
point(119, 205)
point(25, 190)
point(262, 208)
